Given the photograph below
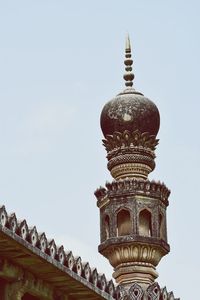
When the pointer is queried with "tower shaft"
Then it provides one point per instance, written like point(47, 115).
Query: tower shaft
point(132, 208)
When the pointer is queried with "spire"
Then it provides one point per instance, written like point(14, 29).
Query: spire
point(128, 76)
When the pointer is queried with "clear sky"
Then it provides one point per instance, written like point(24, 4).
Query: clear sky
point(60, 62)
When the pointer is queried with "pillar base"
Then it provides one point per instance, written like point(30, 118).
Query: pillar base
point(127, 273)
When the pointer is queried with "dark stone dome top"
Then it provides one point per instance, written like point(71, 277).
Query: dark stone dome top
point(130, 110)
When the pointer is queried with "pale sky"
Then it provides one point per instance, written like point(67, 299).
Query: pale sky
point(60, 62)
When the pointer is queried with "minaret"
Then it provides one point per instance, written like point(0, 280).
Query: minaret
point(132, 208)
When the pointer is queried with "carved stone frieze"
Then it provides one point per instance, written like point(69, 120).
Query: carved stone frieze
point(128, 139)
point(133, 252)
point(125, 170)
point(153, 291)
point(134, 158)
point(136, 292)
point(139, 292)
point(130, 154)
point(121, 293)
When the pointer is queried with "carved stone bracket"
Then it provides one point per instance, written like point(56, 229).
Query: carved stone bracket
point(20, 282)
point(14, 291)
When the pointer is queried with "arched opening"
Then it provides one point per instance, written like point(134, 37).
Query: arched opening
point(123, 222)
point(145, 227)
point(161, 227)
point(29, 297)
point(107, 227)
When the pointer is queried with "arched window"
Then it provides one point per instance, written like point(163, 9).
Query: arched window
point(145, 227)
point(123, 222)
point(161, 227)
point(29, 297)
point(107, 227)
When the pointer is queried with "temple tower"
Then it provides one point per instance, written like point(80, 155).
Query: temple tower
point(132, 208)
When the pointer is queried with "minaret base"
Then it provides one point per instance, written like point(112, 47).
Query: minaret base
point(127, 273)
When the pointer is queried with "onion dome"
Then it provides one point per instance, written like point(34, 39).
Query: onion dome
point(130, 110)
point(130, 123)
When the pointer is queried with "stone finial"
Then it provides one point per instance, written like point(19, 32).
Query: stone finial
point(128, 76)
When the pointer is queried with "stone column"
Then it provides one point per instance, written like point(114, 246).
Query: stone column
point(14, 291)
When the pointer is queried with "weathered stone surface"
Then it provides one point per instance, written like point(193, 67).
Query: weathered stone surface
point(133, 226)
point(130, 110)
point(136, 291)
point(58, 269)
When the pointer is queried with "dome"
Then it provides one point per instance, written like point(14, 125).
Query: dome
point(130, 110)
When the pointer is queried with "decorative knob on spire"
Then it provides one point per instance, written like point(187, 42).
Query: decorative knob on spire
point(128, 76)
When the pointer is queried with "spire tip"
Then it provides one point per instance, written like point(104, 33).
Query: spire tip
point(128, 43)
point(128, 76)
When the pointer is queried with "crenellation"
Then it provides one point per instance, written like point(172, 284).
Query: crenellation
point(42, 242)
point(52, 249)
point(33, 236)
point(86, 273)
point(134, 187)
point(77, 268)
point(61, 255)
point(102, 282)
point(12, 222)
point(3, 216)
point(111, 288)
point(70, 260)
point(94, 276)
point(23, 229)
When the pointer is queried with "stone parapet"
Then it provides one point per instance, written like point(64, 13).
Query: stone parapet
point(131, 187)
